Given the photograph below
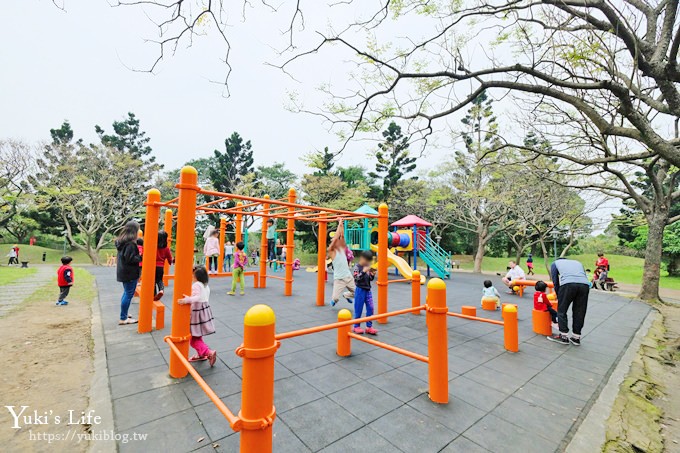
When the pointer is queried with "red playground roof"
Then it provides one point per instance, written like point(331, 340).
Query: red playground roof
point(411, 220)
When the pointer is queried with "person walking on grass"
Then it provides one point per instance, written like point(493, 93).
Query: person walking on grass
point(201, 316)
point(163, 254)
point(572, 287)
point(343, 282)
point(127, 268)
point(530, 264)
point(64, 280)
point(363, 274)
point(240, 264)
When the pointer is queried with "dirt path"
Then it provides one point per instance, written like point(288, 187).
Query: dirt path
point(48, 367)
point(646, 414)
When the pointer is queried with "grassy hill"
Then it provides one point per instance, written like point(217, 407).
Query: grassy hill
point(34, 253)
point(624, 269)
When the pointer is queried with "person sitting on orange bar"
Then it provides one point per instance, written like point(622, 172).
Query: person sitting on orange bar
point(542, 303)
point(201, 316)
point(515, 272)
point(489, 292)
point(363, 274)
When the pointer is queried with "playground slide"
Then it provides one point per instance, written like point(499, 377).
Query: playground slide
point(400, 263)
point(316, 268)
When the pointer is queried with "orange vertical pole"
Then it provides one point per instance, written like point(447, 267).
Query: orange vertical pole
point(290, 246)
point(415, 291)
point(238, 224)
point(321, 264)
point(263, 247)
point(437, 339)
point(167, 226)
point(223, 232)
point(184, 263)
point(382, 261)
point(510, 328)
point(149, 261)
point(344, 348)
point(257, 388)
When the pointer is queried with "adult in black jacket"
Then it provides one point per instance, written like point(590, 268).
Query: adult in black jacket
point(127, 268)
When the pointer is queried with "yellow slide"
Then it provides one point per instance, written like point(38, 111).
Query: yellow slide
point(316, 268)
point(400, 263)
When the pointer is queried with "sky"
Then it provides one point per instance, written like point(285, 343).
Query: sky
point(86, 65)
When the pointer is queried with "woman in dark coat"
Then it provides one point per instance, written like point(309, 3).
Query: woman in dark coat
point(128, 268)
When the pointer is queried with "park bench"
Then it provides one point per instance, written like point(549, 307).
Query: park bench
point(24, 264)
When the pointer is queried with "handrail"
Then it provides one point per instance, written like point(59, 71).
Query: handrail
point(390, 347)
point(475, 318)
point(234, 421)
point(335, 325)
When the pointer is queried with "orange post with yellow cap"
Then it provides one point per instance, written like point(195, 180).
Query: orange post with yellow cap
point(264, 256)
point(184, 263)
point(510, 328)
point(415, 291)
point(344, 348)
point(238, 223)
point(257, 388)
point(153, 211)
point(167, 227)
point(223, 235)
point(382, 260)
point(290, 245)
point(437, 341)
point(321, 264)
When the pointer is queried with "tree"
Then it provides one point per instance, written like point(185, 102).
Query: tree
point(17, 162)
point(393, 161)
point(94, 190)
point(230, 166)
point(275, 180)
point(127, 137)
point(671, 245)
point(321, 161)
point(21, 227)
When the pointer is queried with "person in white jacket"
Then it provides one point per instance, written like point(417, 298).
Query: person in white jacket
point(514, 273)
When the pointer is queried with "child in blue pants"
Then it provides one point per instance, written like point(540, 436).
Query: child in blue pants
point(363, 274)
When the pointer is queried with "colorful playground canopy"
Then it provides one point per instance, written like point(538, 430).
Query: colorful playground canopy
point(410, 221)
point(366, 209)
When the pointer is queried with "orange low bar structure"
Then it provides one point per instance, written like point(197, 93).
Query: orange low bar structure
point(524, 283)
point(509, 323)
point(415, 290)
point(254, 274)
point(541, 322)
point(148, 277)
point(469, 310)
point(489, 304)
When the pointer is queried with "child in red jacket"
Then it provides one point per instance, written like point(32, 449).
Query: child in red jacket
point(541, 302)
point(64, 279)
point(163, 254)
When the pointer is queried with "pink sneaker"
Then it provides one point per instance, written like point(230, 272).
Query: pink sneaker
point(371, 331)
point(212, 357)
point(358, 330)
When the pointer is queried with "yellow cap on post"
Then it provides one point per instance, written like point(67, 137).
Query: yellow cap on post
point(154, 192)
point(436, 283)
point(259, 315)
point(509, 308)
point(344, 315)
point(188, 170)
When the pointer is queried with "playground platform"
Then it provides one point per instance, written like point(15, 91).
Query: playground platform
point(531, 401)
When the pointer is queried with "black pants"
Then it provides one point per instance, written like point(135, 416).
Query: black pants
point(160, 271)
point(576, 296)
point(63, 292)
point(212, 263)
point(553, 314)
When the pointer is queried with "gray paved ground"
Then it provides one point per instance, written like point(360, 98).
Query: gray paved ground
point(531, 401)
point(23, 288)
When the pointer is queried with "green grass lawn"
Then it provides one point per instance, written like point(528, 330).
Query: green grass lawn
point(33, 254)
point(624, 269)
point(12, 274)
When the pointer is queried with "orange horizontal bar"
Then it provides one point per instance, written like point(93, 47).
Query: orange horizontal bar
point(282, 203)
point(224, 274)
point(335, 325)
point(234, 421)
point(400, 280)
point(475, 318)
point(276, 277)
point(389, 347)
point(531, 283)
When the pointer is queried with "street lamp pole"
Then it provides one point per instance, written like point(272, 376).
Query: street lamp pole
point(555, 233)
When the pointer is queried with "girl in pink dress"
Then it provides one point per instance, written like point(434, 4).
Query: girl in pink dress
point(201, 316)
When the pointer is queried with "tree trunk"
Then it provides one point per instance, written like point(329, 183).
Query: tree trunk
point(546, 259)
point(518, 254)
point(652, 269)
point(479, 256)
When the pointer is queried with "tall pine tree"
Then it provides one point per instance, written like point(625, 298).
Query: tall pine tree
point(127, 137)
point(230, 166)
point(393, 159)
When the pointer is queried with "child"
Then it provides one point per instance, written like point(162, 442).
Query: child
point(253, 258)
point(140, 247)
point(163, 254)
point(343, 282)
point(228, 255)
point(363, 274)
point(296, 264)
point(271, 240)
point(530, 264)
point(64, 279)
point(542, 303)
point(589, 276)
point(211, 250)
point(201, 316)
point(489, 292)
point(600, 277)
point(240, 264)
